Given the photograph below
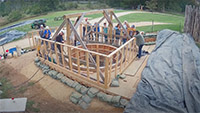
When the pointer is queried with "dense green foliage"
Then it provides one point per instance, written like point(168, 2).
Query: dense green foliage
point(44, 6)
point(14, 16)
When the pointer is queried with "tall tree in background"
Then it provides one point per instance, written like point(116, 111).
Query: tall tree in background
point(152, 5)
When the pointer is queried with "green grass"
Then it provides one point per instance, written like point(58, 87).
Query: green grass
point(93, 16)
point(50, 18)
point(30, 106)
point(6, 87)
point(198, 44)
point(176, 21)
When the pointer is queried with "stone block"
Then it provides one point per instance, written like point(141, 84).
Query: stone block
point(83, 90)
point(116, 99)
point(84, 105)
point(86, 99)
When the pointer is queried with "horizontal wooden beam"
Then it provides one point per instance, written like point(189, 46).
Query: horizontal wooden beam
point(86, 13)
point(74, 47)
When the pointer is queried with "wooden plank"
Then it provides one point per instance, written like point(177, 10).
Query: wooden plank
point(81, 30)
point(102, 31)
point(106, 15)
point(45, 49)
point(56, 51)
point(85, 47)
point(121, 39)
point(77, 23)
point(39, 47)
point(98, 65)
point(121, 61)
point(58, 30)
point(126, 51)
point(68, 32)
point(63, 60)
point(96, 38)
point(106, 73)
point(50, 51)
point(87, 64)
point(74, 75)
point(74, 47)
point(78, 61)
point(116, 64)
point(110, 69)
point(70, 58)
point(125, 31)
point(114, 52)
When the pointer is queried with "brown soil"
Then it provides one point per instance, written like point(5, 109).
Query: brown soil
point(48, 94)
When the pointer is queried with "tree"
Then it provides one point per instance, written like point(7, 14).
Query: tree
point(152, 5)
point(14, 16)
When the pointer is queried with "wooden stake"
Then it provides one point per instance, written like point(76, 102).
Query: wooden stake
point(116, 64)
point(63, 61)
point(97, 60)
point(56, 51)
point(87, 63)
point(78, 60)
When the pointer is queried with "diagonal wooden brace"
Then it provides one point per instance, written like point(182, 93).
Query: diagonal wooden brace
point(121, 25)
point(85, 47)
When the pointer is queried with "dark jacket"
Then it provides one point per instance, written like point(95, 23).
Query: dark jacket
point(139, 39)
point(59, 38)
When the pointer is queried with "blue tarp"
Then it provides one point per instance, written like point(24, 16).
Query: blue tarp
point(10, 36)
point(17, 25)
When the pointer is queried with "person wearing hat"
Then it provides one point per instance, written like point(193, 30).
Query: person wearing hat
point(41, 32)
point(47, 33)
point(59, 38)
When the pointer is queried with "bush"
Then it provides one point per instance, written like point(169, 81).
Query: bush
point(71, 5)
point(14, 16)
point(35, 10)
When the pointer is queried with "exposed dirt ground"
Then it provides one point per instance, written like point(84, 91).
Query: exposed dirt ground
point(48, 94)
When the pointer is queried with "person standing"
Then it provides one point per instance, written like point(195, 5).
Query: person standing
point(105, 30)
point(96, 29)
point(117, 32)
point(59, 38)
point(41, 32)
point(139, 42)
point(47, 33)
point(84, 24)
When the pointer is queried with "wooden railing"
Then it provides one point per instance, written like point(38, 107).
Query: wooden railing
point(96, 36)
point(75, 62)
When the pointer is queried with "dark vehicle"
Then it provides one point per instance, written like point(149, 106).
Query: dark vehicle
point(36, 24)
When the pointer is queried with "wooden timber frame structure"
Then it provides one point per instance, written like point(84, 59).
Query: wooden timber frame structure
point(71, 59)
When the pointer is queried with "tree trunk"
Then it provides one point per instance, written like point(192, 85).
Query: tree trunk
point(192, 19)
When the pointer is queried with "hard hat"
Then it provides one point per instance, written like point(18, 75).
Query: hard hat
point(47, 27)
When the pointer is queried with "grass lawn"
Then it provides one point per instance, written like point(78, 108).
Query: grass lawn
point(176, 21)
point(100, 14)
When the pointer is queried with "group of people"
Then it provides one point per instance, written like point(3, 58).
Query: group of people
point(46, 34)
point(131, 30)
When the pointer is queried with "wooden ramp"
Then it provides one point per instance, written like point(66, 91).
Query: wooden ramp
point(133, 74)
